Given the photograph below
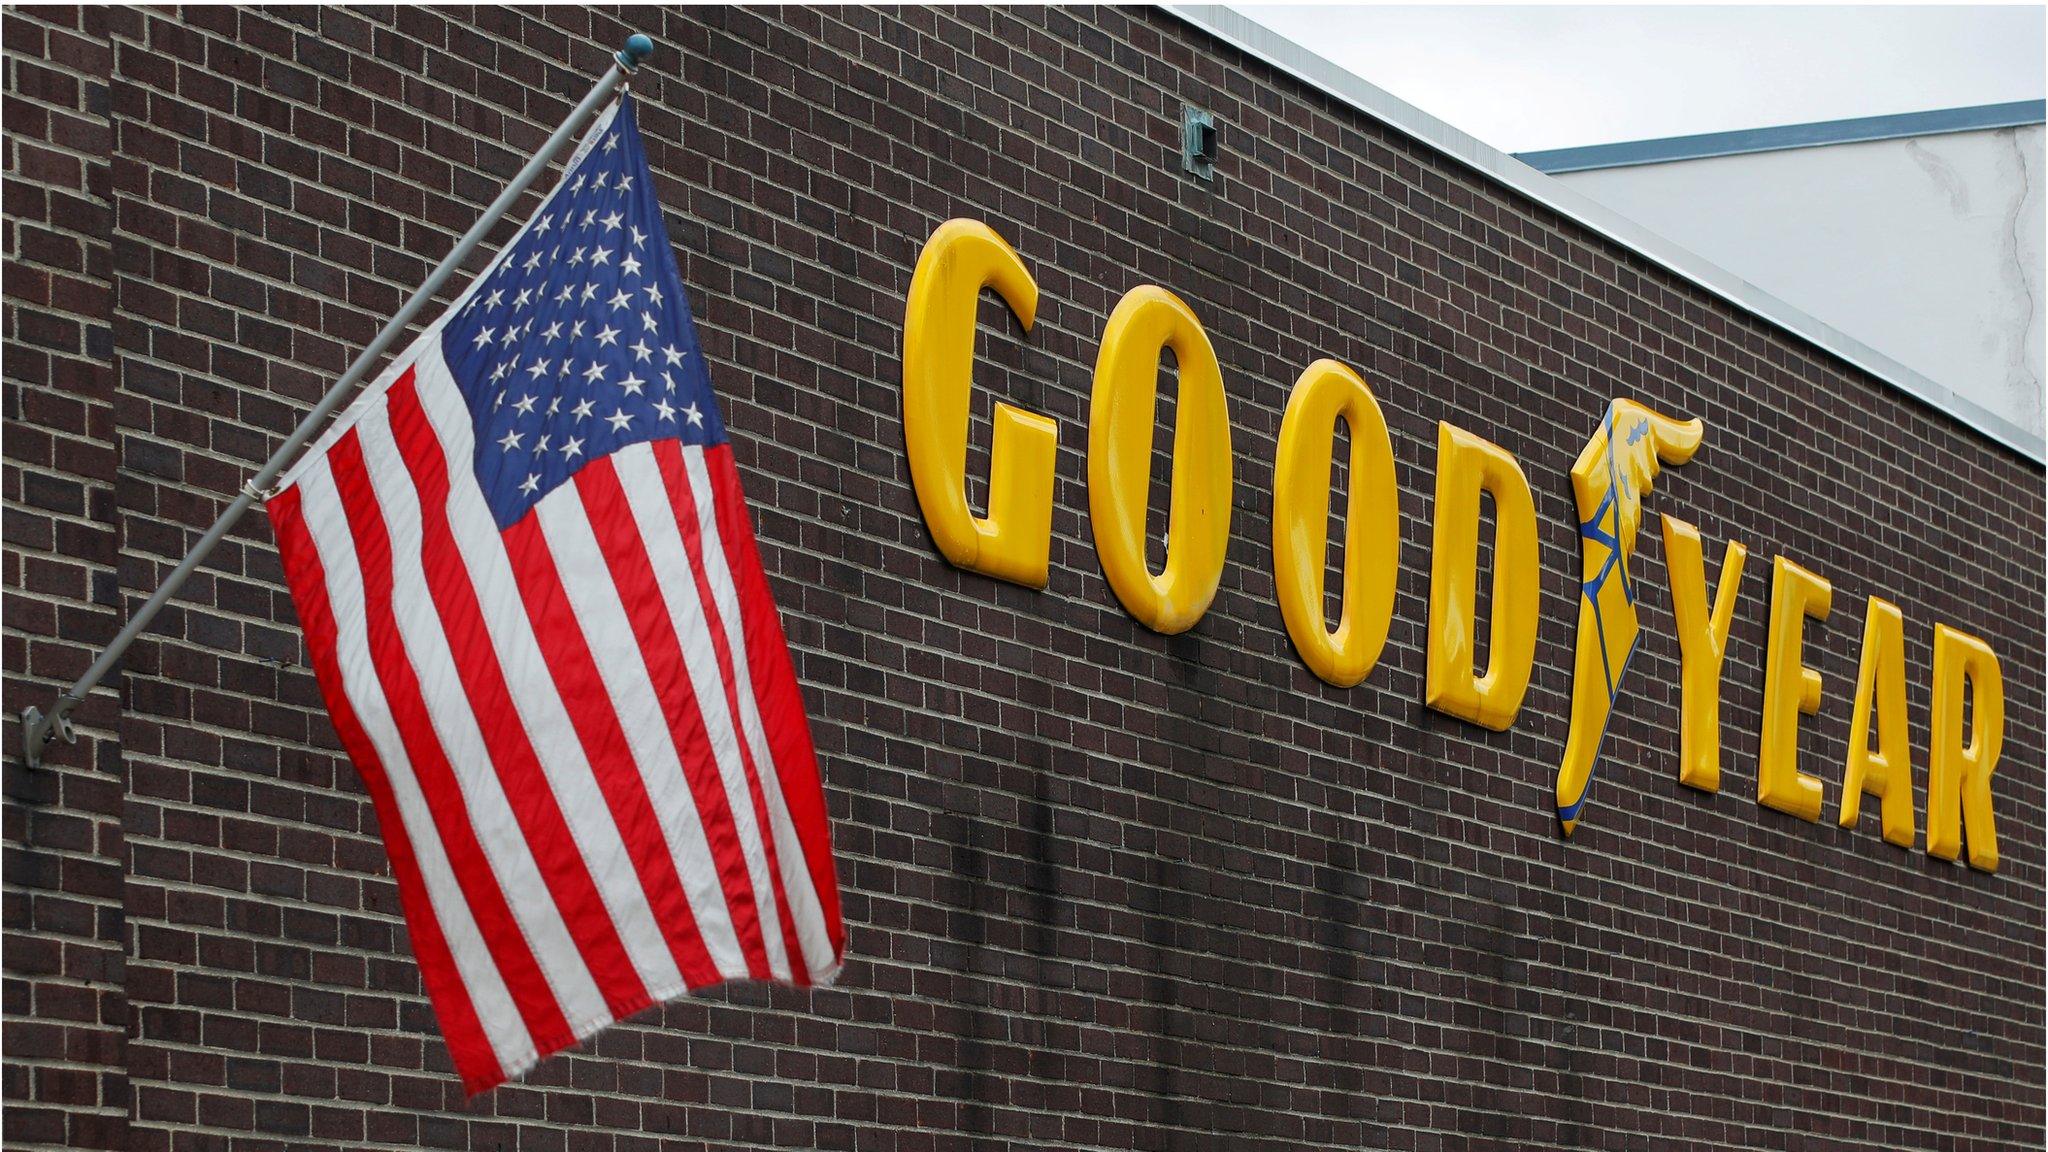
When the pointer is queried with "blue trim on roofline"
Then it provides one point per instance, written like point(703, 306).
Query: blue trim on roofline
point(1856, 130)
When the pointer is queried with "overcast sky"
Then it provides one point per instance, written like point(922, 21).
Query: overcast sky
point(1527, 78)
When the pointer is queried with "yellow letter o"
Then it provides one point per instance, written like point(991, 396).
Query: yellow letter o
point(1120, 423)
point(1372, 532)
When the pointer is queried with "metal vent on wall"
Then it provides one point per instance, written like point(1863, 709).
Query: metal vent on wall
point(1198, 145)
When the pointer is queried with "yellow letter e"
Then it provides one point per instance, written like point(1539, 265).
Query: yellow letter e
point(1791, 690)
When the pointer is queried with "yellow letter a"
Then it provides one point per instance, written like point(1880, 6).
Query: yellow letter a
point(1887, 772)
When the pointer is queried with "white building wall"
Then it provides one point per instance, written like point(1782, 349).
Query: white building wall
point(1929, 249)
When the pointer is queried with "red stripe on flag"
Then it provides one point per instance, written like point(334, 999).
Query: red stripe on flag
point(668, 456)
point(467, 1044)
point(527, 789)
point(775, 689)
point(567, 653)
point(509, 947)
point(625, 554)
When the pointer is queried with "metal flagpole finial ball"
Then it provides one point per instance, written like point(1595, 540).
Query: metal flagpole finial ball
point(639, 46)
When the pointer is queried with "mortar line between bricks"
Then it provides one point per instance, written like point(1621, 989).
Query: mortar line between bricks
point(1853, 845)
point(1095, 593)
point(1819, 1048)
point(144, 197)
point(1696, 904)
point(1497, 1088)
point(1845, 1007)
point(540, 127)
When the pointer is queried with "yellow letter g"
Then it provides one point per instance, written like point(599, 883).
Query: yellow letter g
point(1014, 541)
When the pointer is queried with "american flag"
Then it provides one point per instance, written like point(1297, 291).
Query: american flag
point(534, 605)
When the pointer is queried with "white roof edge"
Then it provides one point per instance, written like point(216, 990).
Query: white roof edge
point(1261, 42)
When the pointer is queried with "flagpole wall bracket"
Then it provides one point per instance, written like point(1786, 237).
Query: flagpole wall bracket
point(36, 729)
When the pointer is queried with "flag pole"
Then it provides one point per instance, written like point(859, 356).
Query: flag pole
point(37, 727)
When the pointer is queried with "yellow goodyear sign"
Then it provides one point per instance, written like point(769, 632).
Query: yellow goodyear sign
point(1627, 452)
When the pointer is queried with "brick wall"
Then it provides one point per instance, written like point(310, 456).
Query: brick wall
point(65, 1007)
point(1105, 888)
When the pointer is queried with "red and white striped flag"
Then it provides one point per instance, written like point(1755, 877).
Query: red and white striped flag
point(534, 604)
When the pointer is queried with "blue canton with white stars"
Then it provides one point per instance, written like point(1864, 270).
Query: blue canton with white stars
point(578, 341)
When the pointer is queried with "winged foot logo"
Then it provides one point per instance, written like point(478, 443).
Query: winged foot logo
point(1609, 480)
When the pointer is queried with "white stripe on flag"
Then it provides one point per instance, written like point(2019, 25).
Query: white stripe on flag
point(327, 526)
point(534, 695)
point(498, 831)
point(646, 495)
point(613, 648)
point(811, 931)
